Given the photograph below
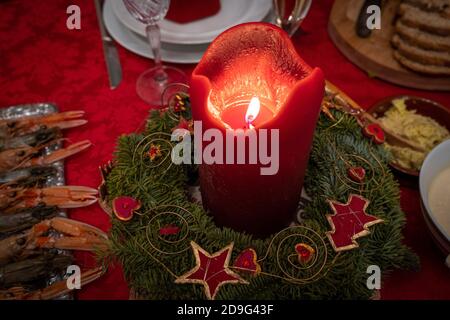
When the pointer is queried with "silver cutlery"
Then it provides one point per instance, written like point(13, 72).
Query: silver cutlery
point(109, 50)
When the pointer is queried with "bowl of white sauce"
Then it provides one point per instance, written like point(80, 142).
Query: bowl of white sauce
point(434, 183)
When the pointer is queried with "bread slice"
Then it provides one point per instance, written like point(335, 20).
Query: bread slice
point(427, 21)
point(422, 39)
point(427, 57)
point(418, 67)
point(441, 6)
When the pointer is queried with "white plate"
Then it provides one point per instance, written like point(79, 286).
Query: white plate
point(232, 12)
point(139, 45)
point(436, 161)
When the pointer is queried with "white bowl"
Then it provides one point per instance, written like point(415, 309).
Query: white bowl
point(436, 161)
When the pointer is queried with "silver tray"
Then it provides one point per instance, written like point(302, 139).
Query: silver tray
point(33, 110)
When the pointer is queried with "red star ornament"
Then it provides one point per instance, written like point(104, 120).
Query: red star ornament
point(154, 152)
point(349, 222)
point(211, 270)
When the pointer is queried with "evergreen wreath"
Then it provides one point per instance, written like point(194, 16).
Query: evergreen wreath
point(155, 246)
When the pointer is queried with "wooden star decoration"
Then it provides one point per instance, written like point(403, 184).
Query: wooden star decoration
point(211, 270)
point(349, 222)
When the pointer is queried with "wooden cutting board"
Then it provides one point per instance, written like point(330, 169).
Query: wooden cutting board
point(374, 54)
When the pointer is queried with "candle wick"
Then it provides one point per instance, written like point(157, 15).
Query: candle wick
point(249, 122)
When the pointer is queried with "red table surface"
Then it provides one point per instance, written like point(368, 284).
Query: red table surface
point(41, 60)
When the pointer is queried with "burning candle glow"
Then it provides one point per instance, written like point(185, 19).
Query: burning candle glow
point(241, 113)
point(251, 81)
point(252, 111)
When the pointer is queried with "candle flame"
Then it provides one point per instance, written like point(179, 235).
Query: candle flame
point(252, 111)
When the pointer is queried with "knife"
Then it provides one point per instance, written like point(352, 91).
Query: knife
point(109, 50)
point(361, 24)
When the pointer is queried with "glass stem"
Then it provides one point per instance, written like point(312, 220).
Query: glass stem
point(154, 38)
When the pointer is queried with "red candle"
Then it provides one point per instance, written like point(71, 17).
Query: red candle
point(252, 78)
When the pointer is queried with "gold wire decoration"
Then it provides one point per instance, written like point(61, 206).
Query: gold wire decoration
point(158, 247)
point(289, 266)
point(141, 157)
point(345, 161)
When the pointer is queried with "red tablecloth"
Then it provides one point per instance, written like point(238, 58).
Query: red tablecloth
point(41, 60)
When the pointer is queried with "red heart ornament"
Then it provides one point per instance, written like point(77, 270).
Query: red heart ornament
point(305, 252)
point(124, 207)
point(247, 262)
point(357, 174)
point(374, 132)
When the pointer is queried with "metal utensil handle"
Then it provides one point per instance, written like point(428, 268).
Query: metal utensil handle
point(98, 10)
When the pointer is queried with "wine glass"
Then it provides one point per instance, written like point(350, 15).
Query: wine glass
point(290, 23)
point(152, 83)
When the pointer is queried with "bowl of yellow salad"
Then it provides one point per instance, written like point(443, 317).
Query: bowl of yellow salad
point(423, 122)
